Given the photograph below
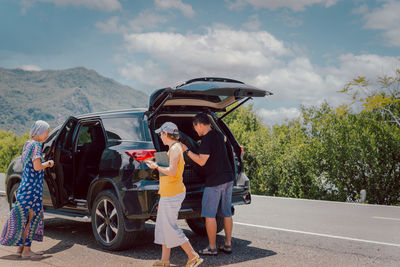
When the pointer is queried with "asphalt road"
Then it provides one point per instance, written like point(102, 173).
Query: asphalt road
point(269, 232)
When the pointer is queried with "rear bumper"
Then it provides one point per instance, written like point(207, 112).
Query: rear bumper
point(191, 206)
point(242, 198)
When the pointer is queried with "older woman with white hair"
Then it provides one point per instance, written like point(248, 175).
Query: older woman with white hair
point(25, 222)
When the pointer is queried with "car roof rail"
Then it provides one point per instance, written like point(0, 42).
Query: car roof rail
point(210, 79)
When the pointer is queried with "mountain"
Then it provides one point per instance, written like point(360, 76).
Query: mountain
point(53, 95)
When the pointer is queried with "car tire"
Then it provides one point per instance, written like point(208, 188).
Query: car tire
point(12, 195)
point(198, 225)
point(108, 224)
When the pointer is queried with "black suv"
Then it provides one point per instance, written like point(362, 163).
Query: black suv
point(99, 175)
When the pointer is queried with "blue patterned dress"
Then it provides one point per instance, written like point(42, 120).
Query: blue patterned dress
point(29, 197)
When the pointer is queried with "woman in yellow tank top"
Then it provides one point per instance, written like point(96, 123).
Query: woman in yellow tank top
point(172, 193)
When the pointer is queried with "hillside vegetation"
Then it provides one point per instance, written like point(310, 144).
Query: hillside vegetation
point(53, 95)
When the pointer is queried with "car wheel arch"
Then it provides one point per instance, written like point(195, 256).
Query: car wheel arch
point(11, 181)
point(100, 185)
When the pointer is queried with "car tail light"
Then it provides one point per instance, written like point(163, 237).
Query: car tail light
point(141, 154)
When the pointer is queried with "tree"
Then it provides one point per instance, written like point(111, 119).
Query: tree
point(384, 99)
point(10, 147)
point(355, 151)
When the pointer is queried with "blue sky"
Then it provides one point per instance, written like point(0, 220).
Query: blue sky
point(304, 51)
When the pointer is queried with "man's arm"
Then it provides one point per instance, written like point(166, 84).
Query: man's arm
point(200, 159)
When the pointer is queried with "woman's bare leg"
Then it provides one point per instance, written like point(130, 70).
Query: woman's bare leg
point(166, 252)
point(19, 249)
point(26, 251)
point(187, 247)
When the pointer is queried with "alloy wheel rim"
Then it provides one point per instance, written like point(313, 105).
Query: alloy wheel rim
point(106, 221)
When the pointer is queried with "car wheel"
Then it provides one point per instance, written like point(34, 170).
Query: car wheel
point(12, 195)
point(108, 223)
point(198, 225)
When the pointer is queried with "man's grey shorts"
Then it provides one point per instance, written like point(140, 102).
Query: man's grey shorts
point(217, 200)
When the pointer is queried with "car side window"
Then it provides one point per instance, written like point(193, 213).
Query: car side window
point(123, 129)
point(84, 136)
point(47, 144)
point(66, 136)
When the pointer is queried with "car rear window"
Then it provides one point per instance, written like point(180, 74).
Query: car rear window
point(123, 129)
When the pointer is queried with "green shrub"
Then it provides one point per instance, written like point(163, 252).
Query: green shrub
point(10, 146)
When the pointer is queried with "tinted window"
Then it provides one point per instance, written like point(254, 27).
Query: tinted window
point(84, 135)
point(123, 129)
point(66, 136)
point(49, 141)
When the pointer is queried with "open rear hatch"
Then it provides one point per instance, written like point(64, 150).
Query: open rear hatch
point(203, 94)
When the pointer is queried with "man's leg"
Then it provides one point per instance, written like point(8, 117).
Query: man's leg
point(228, 225)
point(226, 212)
point(209, 204)
point(211, 227)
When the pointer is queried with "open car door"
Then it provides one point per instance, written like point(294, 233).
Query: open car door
point(211, 94)
point(60, 177)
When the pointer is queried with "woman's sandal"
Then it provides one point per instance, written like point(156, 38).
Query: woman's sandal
point(196, 261)
point(40, 253)
point(208, 251)
point(161, 263)
point(32, 256)
point(226, 249)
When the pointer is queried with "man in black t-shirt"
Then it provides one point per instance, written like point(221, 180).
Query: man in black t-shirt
point(218, 174)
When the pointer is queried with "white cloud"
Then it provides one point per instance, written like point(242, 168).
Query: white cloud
point(104, 5)
point(186, 9)
point(295, 5)
point(387, 19)
point(256, 58)
point(30, 68)
point(145, 20)
point(215, 50)
point(289, 20)
point(220, 51)
point(299, 80)
point(111, 26)
point(361, 9)
point(278, 116)
point(253, 24)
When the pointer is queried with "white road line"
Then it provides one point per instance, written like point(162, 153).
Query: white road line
point(386, 218)
point(317, 234)
point(327, 201)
